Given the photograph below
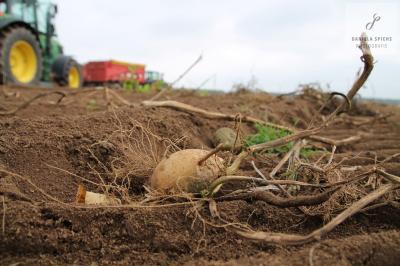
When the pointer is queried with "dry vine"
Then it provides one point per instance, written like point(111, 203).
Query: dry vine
point(28, 102)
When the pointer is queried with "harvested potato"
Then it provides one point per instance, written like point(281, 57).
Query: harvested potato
point(228, 138)
point(182, 171)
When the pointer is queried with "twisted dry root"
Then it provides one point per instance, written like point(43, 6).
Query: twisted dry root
point(270, 198)
point(28, 102)
point(289, 239)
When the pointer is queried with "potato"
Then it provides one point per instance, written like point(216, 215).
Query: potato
point(100, 199)
point(91, 198)
point(227, 137)
point(181, 172)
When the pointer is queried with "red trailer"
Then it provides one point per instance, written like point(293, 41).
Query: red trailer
point(102, 72)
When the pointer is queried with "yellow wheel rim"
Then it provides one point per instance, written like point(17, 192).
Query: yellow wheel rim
point(74, 78)
point(23, 61)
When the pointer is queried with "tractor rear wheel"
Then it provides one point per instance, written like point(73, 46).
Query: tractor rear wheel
point(67, 72)
point(20, 57)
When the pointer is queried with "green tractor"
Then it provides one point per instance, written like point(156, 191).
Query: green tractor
point(29, 50)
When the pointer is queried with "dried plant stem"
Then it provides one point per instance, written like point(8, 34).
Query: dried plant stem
point(69, 205)
point(332, 155)
point(350, 180)
point(80, 177)
point(28, 102)
point(29, 181)
point(121, 99)
point(394, 204)
point(208, 114)
point(285, 159)
point(258, 171)
point(390, 177)
point(311, 255)
point(3, 224)
point(312, 167)
point(368, 66)
point(289, 239)
point(164, 90)
point(226, 179)
point(390, 158)
point(160, 94)
point(216, 115)
point(211, 153)
point(341, 142)
point(107, 99)
point(268, 197)
point(234, 167)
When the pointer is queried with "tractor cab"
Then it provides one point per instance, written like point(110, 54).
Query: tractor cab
point(33, 52)
point(39, 14)
point(153, 76)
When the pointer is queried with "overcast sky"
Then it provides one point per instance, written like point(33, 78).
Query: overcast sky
point(279, 43)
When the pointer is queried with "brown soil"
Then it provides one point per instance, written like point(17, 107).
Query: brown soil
point(79, 136)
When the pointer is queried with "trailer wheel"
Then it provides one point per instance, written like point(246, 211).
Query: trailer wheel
point(67, 72)
point(20, 57)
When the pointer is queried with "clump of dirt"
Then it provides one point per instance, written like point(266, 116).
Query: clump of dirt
point(58, 146)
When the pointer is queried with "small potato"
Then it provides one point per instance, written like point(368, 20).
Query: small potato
point(181, 172)
point(228, 137)
point(92, 198)
point(100, 199)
